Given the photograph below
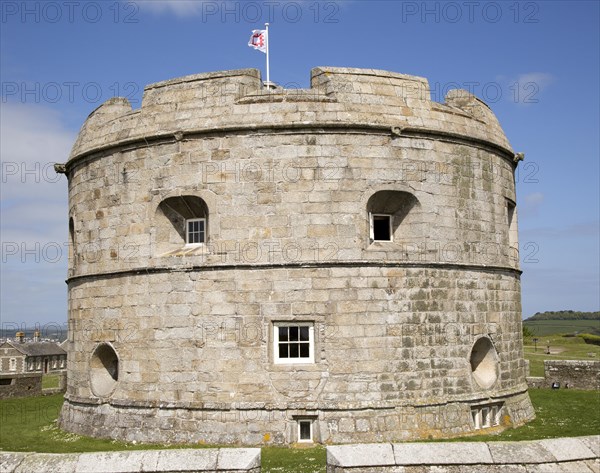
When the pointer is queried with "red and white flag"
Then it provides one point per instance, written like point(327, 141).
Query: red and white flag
point(258, 40)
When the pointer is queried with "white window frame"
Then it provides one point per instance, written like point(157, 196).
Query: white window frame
point(54, 362)
point(39, 363)
point(187, 232)
point(372, 225)
point(62, 362)
point(308, 421)
point(311, 343)
point(12, 364)
point(30, 364)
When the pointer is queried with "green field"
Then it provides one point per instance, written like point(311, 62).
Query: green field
point(551, 333)
point(50, 381)
point(561, 348)
point(29, 424)
point(542, 328)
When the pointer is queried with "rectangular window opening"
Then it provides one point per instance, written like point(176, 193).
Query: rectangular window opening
point(195, 231)
point(293, 342)
point(486, 416)
point(305, 430)
point(381, 227)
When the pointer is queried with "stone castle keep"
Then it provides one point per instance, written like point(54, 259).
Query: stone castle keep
point(253, 266)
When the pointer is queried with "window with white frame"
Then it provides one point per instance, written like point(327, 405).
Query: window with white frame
point(293, 342)
point(62, 362)
point(195, 231)
point(381, 227)
point(39, 363)
point(305, 430)
point(54, 362)
point(12, 364)
point(30, 364)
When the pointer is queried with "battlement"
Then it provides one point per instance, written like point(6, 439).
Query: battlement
point(230, 100)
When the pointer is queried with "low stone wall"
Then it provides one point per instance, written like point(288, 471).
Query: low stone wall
point(578, 374)
point(579, 454)
point(537, 382)
point(20, 385)
point(231, 460)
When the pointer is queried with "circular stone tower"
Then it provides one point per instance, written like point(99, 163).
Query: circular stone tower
point(333, 264)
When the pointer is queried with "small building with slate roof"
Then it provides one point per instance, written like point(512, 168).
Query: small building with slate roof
point(31, 357)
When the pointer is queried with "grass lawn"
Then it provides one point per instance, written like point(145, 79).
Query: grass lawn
point(50, 381)
point(28, 424)
point(561, 348)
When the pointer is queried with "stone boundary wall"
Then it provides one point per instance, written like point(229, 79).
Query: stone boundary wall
point(578, 374)
point(231, 460)
point(21, 385)
point(579, 454)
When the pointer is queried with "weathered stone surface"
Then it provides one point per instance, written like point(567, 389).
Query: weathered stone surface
point(442, 453)
point(50, 462)
point(577, 374)
point(565, 449)
point(286, 182)
point(469, 457)
point(151, 461)
point(20, 385)
point(354, 455)
point(592, 442)
point(520, 452)
point(9, 461)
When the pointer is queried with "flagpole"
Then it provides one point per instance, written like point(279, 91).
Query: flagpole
point(268, 79)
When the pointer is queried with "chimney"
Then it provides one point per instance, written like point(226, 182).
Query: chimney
point(20, 337)
point(36, 336)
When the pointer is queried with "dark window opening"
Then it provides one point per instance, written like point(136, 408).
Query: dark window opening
point(382, 227)
point(305, 431)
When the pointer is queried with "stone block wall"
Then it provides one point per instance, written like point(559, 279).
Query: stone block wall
point(577, 374)
point(574, 454)
point(171, 342)
point(20, 385)
point(230, 460)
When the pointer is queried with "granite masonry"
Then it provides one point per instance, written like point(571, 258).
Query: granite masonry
point(267, 266)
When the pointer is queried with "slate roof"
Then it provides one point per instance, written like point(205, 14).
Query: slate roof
point(38, 348)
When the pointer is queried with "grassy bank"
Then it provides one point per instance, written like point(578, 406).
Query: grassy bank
point(29, 424)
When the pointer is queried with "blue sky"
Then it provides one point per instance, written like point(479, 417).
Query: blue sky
point(535, 63)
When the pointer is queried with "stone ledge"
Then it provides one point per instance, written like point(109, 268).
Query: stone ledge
point(492, 456)
point(232, 460)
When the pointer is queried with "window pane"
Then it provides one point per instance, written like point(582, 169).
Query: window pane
point(283, 350)
point(304, 350)
point(283, 334)
point(293, 333)
point(294, 352)
point(304, 334)
point(196, 231)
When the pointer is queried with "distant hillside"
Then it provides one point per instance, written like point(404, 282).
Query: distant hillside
point(564, 315)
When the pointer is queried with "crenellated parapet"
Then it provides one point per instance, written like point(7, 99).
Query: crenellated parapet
point(338, 97)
